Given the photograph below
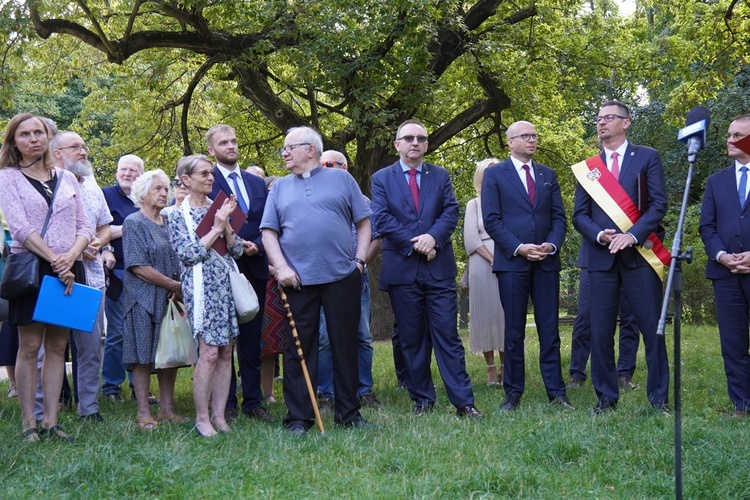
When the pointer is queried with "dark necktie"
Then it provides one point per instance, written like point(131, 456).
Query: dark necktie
point(615, 166)
point(530, 185)
point(238, 192)
point(742, 191)
point(413, 187)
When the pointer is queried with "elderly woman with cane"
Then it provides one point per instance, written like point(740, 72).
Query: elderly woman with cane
point(46, 217)
point(151, 277)
point(207, 291)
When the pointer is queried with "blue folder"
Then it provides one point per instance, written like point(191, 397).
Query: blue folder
point(77, 310)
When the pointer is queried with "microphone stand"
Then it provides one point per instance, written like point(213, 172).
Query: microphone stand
point(674, 283)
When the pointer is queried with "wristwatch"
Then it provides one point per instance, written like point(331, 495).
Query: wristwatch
point(362, 262)
point(108, 248)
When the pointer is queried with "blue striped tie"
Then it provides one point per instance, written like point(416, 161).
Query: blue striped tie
point(742, 191)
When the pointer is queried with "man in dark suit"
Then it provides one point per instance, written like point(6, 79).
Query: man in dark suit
point(524, 215)
point(580, 343)
point(615, 265)
point(415, 212)
point(250, 191)
point(725, 230)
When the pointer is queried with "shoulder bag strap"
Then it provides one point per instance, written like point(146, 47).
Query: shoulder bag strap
point(51, 202)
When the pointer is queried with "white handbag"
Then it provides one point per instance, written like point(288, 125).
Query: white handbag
point(245, 299)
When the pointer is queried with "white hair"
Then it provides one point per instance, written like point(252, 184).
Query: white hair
point(142, 184)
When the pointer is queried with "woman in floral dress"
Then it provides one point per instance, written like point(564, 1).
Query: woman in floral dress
point(207, 291)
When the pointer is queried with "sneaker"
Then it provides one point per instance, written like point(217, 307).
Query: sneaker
point(115, 398)
point(260, 413)
point(326, 405)
point(13, 392)
point(369, 399)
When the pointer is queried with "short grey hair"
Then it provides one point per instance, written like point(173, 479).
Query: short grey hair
point(131, 159)
point(142, 184)
point(310, 136)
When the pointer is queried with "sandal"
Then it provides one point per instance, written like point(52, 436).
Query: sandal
point(56, 432)
point(146, 423)
point(31, 435)
point(492, 374)
point(270, 399)
point(172, 418)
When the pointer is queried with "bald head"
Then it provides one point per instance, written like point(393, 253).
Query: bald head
point(333, 159)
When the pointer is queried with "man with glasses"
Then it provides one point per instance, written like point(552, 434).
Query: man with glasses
point(415, 212)
point(336, 159)
point(71, 153)
point(250, 191)
point(617, 260)
point(725, 231)
point(524, 215)
point(307, 233)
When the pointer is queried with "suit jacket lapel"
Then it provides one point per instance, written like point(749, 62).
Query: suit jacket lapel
point(627, 160)
point(729, 182)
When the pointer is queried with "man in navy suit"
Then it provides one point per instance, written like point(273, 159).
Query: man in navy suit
point(416, 212)
point(250, 191)
point(615, 266)
point(725, 230)
point(524, 215)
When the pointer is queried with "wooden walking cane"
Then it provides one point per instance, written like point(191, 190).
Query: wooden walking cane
point(301, 355)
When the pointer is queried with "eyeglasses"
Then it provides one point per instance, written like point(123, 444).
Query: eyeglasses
point(76, 148)
point(176, 183)
point(410, 138)
point(526, 137)
point(734, 137)
point(290, 147)
point(330, 164)
point(202, 173)
point(609, 118)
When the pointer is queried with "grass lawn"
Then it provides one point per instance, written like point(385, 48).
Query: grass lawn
point(536, 452)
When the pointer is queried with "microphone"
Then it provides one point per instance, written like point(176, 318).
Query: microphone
point(694, 132)
point(38, 159)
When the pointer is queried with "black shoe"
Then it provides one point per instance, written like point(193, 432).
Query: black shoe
point(576, 383)
point(563, 402)
point(662, 409)
point(401, 386)
point(509, 404)
point(420, 410)
point(296, 430)
point(93, 417)
point(627, 383)
point(360, 423)
point(230, 414)
point(369, 399)
point(115, 398)
point(469, 411)
point(326, 405)
point(602, 407)
point(260, 413)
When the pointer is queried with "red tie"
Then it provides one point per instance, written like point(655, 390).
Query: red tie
point(615, 166)
point(413, 187)
point(530, 185)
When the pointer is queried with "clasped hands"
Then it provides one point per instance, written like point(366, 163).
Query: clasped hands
point(738, 263)
point(62, 264)
point(617, 241)
point(425, 244)
point(535, 253)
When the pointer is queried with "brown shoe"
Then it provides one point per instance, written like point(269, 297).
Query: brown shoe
point(326, 405)
point(627, 383)
point(739, 414)
point(576, 383)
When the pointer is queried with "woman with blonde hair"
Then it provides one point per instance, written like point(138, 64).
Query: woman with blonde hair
point(486, 318)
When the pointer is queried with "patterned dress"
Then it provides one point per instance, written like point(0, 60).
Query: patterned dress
point(144, 243)
point(219, 323)
point(273, 334)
